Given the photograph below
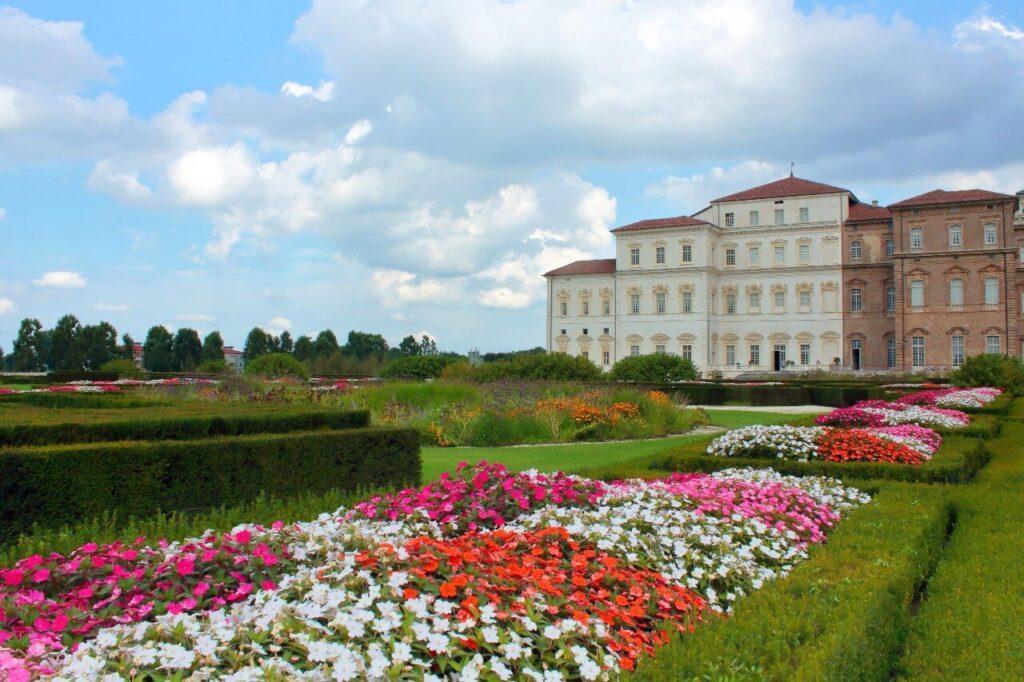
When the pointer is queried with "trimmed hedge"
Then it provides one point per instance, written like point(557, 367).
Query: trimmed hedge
point(841, 615)
point(57, 485)
point(785, 394)
point(981, 426)
point(957, 461)
point(92, 401)
point(181, 427)
point(999, 406)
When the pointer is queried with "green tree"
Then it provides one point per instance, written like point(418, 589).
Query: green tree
point(325, 344)
point(990, 369)
point(99, 344)
point(415, 367)
point(362, 345)
point(654, 368)
point(188, 351)
point(65, 352)
point(276, 366)
point(127, 347)
point(409, 346)
point(158, 350)
point(428, 346)
point(26, 350)
point(285, 343)
point(213, 347)
point(255, 345)
point(303, 350)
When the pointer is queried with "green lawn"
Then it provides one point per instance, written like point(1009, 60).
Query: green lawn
point(576, 456)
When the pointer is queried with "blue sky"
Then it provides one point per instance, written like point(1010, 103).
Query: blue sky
point(414, 168)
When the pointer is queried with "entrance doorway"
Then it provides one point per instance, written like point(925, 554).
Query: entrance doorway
point(855, 353)
point(778, 357)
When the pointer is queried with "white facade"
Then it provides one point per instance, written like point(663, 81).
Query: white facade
point(742, 291)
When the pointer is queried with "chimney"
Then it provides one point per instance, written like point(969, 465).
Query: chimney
point(874, 202)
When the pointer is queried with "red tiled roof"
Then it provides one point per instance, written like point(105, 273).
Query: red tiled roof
point(786, 187)
point(655, 223)
point(941, 196)
point(601, 266)
point(228, 350)
point(861, 212)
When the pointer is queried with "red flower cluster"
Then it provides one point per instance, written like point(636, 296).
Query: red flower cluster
point(857, 445)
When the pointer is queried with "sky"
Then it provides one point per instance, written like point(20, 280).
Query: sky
point(414, 167)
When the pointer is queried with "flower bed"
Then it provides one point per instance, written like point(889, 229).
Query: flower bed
point(954, 398)
point(870, 413)
point(806, 443)
point(487, 574)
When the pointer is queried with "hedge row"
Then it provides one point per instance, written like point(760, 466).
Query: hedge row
point(981, 426)
point(56, 485)
point(723, 394)
point(957, 461)
point(180, 427)
point(971, 624)
point(93, 401)
point(841, 615)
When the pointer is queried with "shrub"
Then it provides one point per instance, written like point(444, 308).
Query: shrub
point(120, 366)
point(654, 368)
point(1001, 371)
point(212, 367)
point(418, 367)
point(57, 485)
point(277, 366)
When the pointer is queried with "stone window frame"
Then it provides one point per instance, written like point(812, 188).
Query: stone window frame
point(991, 271)
point(726, 247)
point(801, 242)
point(751, 289)
point(660, 289)
point(825, 289)
point(776, 288)
point(752, 247)
point(663, 245)
point(630, 247)
point(801, 288)
point(861, 286)
point(686, 288)
point(683, 243)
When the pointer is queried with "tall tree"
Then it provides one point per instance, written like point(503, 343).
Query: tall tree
point(26, 351)
point(428, 346)
point(325, 344)
point(213, 347)
point(127, 347)
point(188, 351)
point(158, 350)
point(409, 346)
point(273, 343)
point(362, 345)
point(99, 344)
point(66, 352)
point(285, 343)
point(255, 344)
point(303, 349)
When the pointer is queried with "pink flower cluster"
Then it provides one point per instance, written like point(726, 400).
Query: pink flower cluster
point(952, 397)
point(47, 603)
point(850, 417)
point(869, 413)
point(918, 437)
point(486, 495)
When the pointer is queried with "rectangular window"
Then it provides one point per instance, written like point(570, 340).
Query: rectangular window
point(606, 307)
point(805, 300)
point(890, 351)
point(687, 352)
point(956, 293)
point(730, 304)
point(956, 237)
point(917, 351)
point(780, 255)
point(890, 299)
point(916, 238)
point(730, 256)
point(780, 216)
point(856, 300)
point(730, 219)
point(730, 354)
point(586, 308)
point(634, 349)
point(687, 253)
point(805, 215)
point(659, 348)
point(660, 300)
point(890, 248)
point(990, 234)
point(634, 256)
point(855, 250)
point(917, 294)
point(606, 358)
point(585, 354)
point(687, 301)
point(1020, 257)
point(780, 301)
point(659, 255)
point(754, 255)
point(755, 300)
point(755, 355)
point(805, 253)
point(563, 308)
point(991, 291)
point(805, 353)
point(634, 304)
point(957, 350)
point(992, 344)
point(755, 218)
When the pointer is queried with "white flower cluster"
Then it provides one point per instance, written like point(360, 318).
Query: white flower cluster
point(783, 442)
point(914, 414)
point(968, 398)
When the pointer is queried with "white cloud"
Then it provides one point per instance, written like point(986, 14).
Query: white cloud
point(60, 279)
point(692, 192)
point(3, 212)
point(211, 176)
point(982, 32)
point(193, 317)
point(6, 306)
point(397, 288)
point(278, 325)
point(125, 186)
point(358, 131)
point(504, 297)
point(112, 307)
point(322, 93)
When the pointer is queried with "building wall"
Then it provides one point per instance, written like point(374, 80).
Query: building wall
point(873, 326)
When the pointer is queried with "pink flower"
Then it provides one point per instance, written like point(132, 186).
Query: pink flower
point(13, 577)
point(243, 537)
point(185, 566)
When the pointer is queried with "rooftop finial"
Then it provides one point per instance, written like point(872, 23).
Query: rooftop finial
point(791, 164)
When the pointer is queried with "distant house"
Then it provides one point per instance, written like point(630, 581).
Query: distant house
point(137, 354)
point(233, 358)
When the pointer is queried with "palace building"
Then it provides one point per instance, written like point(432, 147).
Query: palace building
point(801, 275)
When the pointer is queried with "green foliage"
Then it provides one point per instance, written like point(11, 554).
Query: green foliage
point(654, 368)
point(277, 366)
point(338, 363)
point(65, 344)
point(120, 366)
point(127, 348)
point(362, 345)
point(70, 426)
point(99, 345)
point(26, 350)
point(549, 366)
point(981, 426)
point(158, 350)
point(212, 366)
point(325, 344)
point(257, 343)
point(1002, 371)
point(188, 350)
point(213, 348)
point(840, 615)
point(53, 486)
point(415, 367)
